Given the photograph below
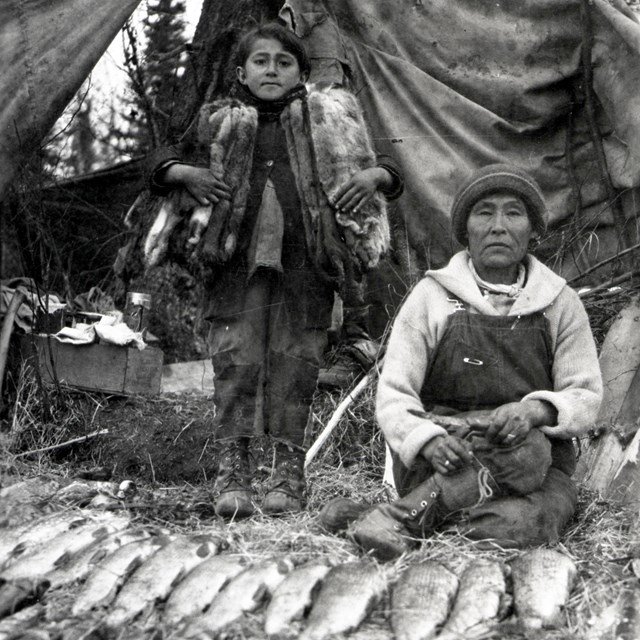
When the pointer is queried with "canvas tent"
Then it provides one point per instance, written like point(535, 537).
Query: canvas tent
point(449, 86)
point(446, 85)
point(47, 50)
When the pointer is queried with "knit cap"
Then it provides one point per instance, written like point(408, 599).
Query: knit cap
point(492, 178)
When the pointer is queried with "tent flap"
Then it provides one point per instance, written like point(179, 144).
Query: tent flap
point(47, 49)
point(450, 85)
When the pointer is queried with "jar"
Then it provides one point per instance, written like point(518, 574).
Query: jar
point(136, 310)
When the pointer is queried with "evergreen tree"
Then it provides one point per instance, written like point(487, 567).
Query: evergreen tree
point(155, 70)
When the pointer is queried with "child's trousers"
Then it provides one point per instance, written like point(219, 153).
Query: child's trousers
point(270, 350)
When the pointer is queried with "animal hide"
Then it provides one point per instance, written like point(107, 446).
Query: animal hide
point(342, 148)
point(232, 132)
point(327, 142)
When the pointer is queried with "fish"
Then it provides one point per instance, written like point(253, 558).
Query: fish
point(628, 606)
point(102, 583)
point(197, 590)
point(23, 619)
point(542, 582)
point(421, 600)
point(618, 621)
point(15, 595)
point(36, 565)
point(30, 490)
point(155, 578)
point(293, 597)
point(245, 593)
point(80, 492)
point(74, 567)
point(348, 593)
point(15, 540)
point(479, 601)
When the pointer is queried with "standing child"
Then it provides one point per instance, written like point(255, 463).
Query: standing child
point(295, 212)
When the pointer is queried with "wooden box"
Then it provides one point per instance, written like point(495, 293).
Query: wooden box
point(99, 367)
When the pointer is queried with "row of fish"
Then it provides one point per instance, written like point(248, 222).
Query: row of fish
point(195, 585)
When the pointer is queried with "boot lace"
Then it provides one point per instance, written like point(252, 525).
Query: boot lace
point(235, 463)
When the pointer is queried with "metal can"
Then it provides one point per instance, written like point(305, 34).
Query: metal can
point(136, 309)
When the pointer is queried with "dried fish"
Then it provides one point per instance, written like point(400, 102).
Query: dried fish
point(618, 621)
point(154, 579)
point(38, 564)
point(15, 541)
point(73, 567)
point(20, 621)
point(196, 592)
point(479, 600)
point(421, 600)
point(80, 492)
point(542, 582)
point(246, 592)
point(628, 627)
point(16, 595)
point(292, 599)
point(102, 584)
point(348, 593)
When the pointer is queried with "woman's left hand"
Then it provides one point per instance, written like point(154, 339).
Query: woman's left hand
point(357, 191)
point(510, 423)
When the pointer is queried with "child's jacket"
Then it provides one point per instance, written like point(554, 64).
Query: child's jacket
point(283, 164)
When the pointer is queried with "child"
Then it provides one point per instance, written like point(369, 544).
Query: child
point(274, 252)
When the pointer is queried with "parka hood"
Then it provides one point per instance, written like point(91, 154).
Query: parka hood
point(542, 286)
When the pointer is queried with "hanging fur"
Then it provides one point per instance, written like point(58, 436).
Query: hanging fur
point(342, 148)
point(231, 128)
point(328, 143)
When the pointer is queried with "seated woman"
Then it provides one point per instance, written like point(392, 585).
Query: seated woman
point(499, 340)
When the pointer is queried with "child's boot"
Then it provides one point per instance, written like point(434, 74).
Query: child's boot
point(285, 491)
point(233, 483)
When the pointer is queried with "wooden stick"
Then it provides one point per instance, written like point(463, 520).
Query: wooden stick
point(338, 413)
point(94, 434)
point(602, 263)
point(447, 422)
point(611, 283)
point(5, 335)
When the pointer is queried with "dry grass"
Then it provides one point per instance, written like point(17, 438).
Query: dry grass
point(601, 538)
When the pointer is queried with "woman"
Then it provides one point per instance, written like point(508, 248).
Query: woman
point(498, 339)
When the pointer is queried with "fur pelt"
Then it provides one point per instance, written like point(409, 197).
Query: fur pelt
point(342, 148)
point(328, 143)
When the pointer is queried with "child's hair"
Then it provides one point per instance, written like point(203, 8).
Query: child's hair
point(274, 31)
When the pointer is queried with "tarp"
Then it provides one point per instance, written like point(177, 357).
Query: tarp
point(47, 49)
point(451, 85)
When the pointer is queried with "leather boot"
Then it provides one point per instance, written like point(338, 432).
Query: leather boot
point(285, 491)
point(392, 529)
point(233, 482)
point(339, 513)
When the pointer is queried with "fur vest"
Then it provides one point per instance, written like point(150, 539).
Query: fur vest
point(327, 142)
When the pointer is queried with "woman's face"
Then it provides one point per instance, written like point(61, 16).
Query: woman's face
point(499, 231)
point(270, 72)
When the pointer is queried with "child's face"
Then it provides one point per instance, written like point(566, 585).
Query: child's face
point(270, 72)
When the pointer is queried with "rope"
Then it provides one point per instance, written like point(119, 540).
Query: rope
point(484, 486)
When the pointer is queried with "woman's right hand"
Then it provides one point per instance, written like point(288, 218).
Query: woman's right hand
point(447, 454)
point(200, 182)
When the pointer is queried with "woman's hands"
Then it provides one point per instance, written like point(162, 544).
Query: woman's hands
point(357, 191)
point(510, 423)
point(203, 185)
point(448, 454)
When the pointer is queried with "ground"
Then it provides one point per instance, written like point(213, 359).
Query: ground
point(163, 444)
